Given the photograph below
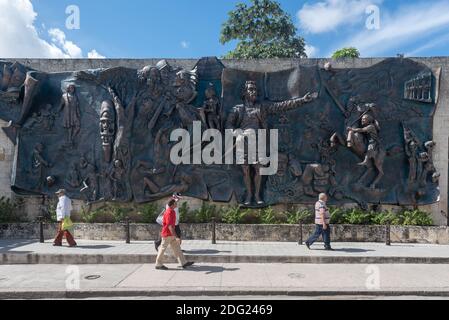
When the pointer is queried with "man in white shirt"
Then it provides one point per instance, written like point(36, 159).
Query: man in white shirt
point(63, 210)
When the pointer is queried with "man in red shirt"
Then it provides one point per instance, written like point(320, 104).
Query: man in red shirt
point(170, 238)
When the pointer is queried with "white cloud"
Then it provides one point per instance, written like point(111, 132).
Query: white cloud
point(311, 51)
point(327, 15)
point(59, 38)
point(19, 37)
point(95, 55)
point(411, 24)
point(185, 44)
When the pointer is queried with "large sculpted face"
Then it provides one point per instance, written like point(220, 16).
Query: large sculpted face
point(210, 93)
point(154, 76)
point(251, 92)
point(183, 93)
point(164, 70)
point(107, 127)
point(106, 131)
point(184, 89)
point(367, 120)
point(118, 164)
point(71, 89)
point(17, 78)
point(39, 147)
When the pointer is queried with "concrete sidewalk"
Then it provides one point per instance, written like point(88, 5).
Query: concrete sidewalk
point(222, 280)
point(110, 252)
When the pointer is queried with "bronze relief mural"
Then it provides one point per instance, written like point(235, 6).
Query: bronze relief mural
point(360, 135)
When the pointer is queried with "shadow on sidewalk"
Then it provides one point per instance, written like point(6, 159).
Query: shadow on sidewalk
point(350, 250)
point(11, 245)
point(210, 269)
point(205, 251)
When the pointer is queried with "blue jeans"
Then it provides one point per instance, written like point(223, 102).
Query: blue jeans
point(319, 231)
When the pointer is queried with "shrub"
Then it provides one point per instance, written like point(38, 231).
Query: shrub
point(205, 213)
point(281, 217)
point(119, 213)
point(75, 216)
point(147, 213)
point(100, 215)
point(385, 217)
point(415, 218)
point(10, 210)
point(337, 215)
point(251, 217)
point(349, 52)
point(109, 213)
point(49, 211)
point(357, 216)
point(185, 216)
point(233, 215)
point(304, 215)
point(267, 216)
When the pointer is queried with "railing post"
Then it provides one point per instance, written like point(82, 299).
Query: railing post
point(388, 234)
point(214, 238)
point(300, 242)
point(128, 234)
point(40, 219)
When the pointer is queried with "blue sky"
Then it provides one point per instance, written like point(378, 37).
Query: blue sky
point(191, 28)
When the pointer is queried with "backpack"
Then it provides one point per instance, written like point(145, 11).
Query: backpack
point(160, 217)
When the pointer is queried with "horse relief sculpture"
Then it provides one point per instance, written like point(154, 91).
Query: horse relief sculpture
point(361, 135)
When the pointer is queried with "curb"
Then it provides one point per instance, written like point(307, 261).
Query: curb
point(185, 292)
point(30, 258)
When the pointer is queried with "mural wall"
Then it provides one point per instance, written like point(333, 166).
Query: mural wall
point(360, 135)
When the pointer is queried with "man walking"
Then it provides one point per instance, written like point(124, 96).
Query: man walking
point(176, 197)
point(322, 221)
point(170, 238)
point(63, 211)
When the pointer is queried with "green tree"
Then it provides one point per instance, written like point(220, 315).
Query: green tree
point(350, 52)
point(263, 30)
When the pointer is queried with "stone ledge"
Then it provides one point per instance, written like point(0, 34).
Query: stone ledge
point(207, 292)
point(119, 259)
point(227, 232)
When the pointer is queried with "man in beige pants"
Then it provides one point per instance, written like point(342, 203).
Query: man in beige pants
point(170, 238)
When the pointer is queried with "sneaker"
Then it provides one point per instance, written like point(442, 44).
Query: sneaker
point(308, 245)
point(57, 245)
point(329, 249)
point(188, 264)
point(161, 268)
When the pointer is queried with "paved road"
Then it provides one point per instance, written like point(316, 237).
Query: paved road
point(270, 298)
point(275, 298)
point(60, 281)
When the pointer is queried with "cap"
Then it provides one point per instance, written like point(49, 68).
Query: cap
point(176, 196)
point(60, 191)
